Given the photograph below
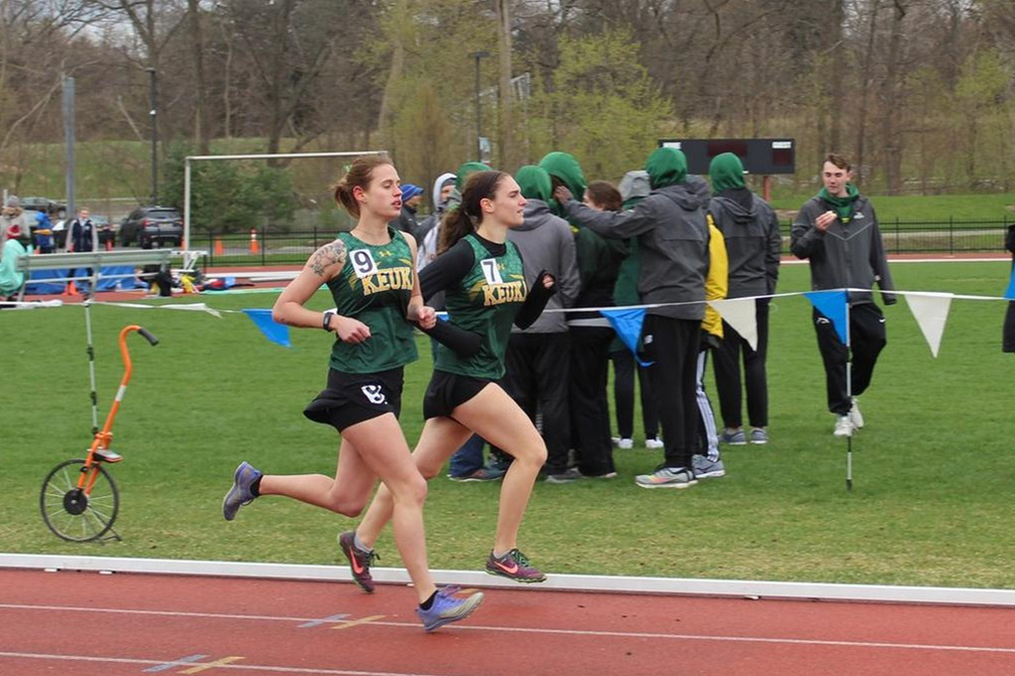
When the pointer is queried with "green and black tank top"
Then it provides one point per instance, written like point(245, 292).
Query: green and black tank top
point(374, 286)
point(485, 301)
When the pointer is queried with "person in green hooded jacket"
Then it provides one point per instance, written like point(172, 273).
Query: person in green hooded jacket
point(750, 229)
point(599, 262)
point(673, 255)
point(837, 232)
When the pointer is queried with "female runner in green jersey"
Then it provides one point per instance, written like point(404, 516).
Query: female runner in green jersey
point(371, 276)
point(482, 275)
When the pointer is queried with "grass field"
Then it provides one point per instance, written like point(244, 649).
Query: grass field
point(934, 467)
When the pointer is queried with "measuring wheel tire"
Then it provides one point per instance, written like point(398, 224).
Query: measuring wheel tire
point(69, 512)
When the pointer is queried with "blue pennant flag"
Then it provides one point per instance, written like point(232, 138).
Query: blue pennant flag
point(832, 304)
point(1010, 293)
point(272, 330)
point(627, 324)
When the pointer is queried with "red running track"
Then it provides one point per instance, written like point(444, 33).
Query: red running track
point(108, 625)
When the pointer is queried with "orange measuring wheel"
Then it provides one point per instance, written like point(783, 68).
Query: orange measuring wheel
point(79, 499)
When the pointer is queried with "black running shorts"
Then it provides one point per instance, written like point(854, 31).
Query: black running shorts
point(351, 398)
point(448, 391)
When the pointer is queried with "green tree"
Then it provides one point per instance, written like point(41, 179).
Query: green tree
point(229, 196)
point(601, 105)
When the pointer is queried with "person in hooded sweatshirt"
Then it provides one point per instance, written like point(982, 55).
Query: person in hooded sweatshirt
point(837, 232)
point(634, 187)
point(673, 256)
point(537, 372)
point(599, 262)
point(753, 245)
point(428, 227)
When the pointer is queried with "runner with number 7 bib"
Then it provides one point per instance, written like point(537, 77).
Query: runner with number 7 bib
point(482, 275)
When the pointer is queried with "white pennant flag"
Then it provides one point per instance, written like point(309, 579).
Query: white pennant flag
point(931, 312)
point(740, 313)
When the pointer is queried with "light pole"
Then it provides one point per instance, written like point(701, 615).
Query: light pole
point(153, 115)
point(479, 109)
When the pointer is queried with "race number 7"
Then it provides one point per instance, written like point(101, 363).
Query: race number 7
point(491, 271)
point(363, 262)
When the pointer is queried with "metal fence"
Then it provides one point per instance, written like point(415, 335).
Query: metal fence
point(264, 247)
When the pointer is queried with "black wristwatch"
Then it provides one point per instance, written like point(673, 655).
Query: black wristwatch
point(326, 322)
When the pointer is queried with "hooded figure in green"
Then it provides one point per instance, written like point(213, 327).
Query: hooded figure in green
point(464, 171)
point(598, 259)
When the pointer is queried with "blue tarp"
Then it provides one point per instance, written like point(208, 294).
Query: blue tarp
point(38, 284)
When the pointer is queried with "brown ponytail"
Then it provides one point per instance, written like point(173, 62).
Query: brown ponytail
point(464, 219)
point(359, 174)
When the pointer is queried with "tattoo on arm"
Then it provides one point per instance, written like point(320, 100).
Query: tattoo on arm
point(326, 256)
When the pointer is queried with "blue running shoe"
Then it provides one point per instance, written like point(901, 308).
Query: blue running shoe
point(447, 608)
point(240, 494)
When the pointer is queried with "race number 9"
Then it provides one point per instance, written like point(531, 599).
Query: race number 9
point(491, 271)
point(363, 263)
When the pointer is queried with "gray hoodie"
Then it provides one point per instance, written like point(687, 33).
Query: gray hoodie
point(545, 243)
point(847, 255)
point(753, 244)
point(672, 244)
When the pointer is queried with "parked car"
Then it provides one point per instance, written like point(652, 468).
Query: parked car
point(151, 227)
point(55, 210)
point(104, 228)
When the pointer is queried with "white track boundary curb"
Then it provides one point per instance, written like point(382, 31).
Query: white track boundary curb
point(749, 589)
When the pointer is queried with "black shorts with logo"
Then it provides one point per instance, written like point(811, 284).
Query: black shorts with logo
point(447, 391)
point(351, 398)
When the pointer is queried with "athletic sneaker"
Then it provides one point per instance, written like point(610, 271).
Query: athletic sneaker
point(566, 477)
point(759, 436)
point(667, 477)
point(843, 426)
point(515, 566)
point(733, 437)
point(359, 561)
point(654, 444)
point(605, 475)
point(855, 416)
point(707, 469)
point(481, 474)
point(447, 608)
point(623, 443)
point(240, 494)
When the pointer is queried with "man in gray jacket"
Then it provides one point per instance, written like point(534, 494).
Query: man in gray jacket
point(673, 254)
point(837, 231)
point(753, 246)
point(537, 358)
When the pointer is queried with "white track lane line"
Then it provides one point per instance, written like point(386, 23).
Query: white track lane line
point(544, 631)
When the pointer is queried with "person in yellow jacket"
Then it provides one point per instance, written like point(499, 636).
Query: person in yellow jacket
point(709, 465)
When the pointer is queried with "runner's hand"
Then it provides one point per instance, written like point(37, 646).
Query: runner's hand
point(426, 317)
point(351, 330)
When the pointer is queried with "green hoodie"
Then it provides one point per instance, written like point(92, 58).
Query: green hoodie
point(465, 170)
point(665, 167)
point(598, 259)
point(726, 172)
point(565, 168)
point(535, 183)
point(842, 205)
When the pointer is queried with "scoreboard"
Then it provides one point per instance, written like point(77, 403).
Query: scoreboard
point(763, 156)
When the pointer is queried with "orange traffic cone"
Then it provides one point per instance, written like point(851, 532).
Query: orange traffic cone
point(254, 246)
point(218, 246)
point(70, 290)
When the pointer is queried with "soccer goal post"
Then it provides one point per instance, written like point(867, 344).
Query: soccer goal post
point(185, 244)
